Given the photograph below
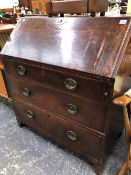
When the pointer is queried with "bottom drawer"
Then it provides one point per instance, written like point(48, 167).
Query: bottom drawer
point(62, 132)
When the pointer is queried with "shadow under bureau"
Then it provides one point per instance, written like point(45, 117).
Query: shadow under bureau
point(62, 75)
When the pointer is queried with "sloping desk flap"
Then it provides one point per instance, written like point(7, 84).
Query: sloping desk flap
point(92, 45)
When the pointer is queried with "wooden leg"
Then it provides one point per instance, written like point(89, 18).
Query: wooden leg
point(20, 124)
point(98, 171)
point(98, 166)
point(123, 169)
point(127, 165)
point(93, 14)
point(50, 15)
point(102, 13)
point(61, 14)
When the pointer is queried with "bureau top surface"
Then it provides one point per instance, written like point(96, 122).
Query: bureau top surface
point(92, 45)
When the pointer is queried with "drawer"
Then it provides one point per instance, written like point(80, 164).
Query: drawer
point(86, 88)
point(81, 111)
point(74, 85)
point(59, 130)
point(21, 70)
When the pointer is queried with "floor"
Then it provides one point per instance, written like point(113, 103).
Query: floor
point(22, 152)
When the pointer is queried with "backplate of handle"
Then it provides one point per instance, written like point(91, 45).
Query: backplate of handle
point(71, 135)
point(26, 92)
point(72, 109)
point(70, 84)
point(21, 70)
point(30, 114)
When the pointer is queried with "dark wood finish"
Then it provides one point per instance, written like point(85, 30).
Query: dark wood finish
point(49, 124)
point(66, 75)
point(95, 58)
point(122, 84)
point(66, 7)
point(56, 80)
point(76, 6)
point(58, 103)
point(97, 6)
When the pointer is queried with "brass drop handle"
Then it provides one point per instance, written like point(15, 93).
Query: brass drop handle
point(70, 84)
point(21, 70)
point(72, 109)
point(30, 114)
point(71, 135)
point(26, 92)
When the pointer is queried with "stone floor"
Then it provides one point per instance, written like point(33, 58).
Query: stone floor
point(22, 152)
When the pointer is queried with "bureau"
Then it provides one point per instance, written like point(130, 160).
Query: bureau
point(62, 75)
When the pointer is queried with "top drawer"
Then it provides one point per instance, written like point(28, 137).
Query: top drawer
point(20, 70)
point(87, 88)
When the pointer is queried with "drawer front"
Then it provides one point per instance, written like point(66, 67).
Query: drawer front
point(25, 71)
point(76, 86)
point(60, 130)
point(85, 112)
point(71, 84)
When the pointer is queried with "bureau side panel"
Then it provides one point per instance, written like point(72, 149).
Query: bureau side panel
point(123, 77)
point(121, 85)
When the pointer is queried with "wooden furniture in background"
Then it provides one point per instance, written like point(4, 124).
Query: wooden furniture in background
point(125, 102)
point(33, 4)
point(9, 20)
point(67, 6)
point(62, 80)
point(5, 31)
point(6, 10)
point(25, 3)
point(40, 4)
point(77, 7)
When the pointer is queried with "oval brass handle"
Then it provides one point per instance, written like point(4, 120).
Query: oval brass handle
point(71, 135)
point(30, 114)
point(72, 109)
point(70, 84)
point(21, 70)
point(26, 92)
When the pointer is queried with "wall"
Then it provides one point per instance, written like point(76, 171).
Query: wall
point(8, 3)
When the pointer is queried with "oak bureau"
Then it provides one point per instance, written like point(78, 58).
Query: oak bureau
point(62, 75)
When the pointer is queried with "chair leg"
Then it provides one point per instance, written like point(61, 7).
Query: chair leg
point(127, 165)
point(123, 169)
point(129, 157)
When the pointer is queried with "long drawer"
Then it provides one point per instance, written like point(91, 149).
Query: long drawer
point(88, 114)
point(93, 90)
point(60, 130)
